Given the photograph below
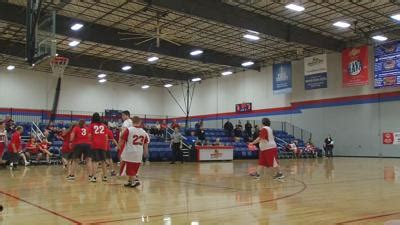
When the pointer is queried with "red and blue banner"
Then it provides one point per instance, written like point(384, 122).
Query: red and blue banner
point(355, 66)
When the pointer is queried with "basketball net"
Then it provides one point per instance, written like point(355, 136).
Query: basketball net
point(58, 65)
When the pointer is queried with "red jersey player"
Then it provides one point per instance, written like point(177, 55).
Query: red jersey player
point(80, 140)
point(15, 147)
point(66, 150)
point(32, 148)
point(99, 146)
point(136, 142)
point(268, 155)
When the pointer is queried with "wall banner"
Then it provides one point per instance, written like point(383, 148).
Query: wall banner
point(282, 78)
point(355, 66)
point(316, 72)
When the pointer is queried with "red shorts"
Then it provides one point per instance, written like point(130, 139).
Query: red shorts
point(2, 147)
point(129, 168)
point(268, 158)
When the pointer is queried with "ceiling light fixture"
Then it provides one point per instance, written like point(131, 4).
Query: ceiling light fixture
point(167, 85)
point(102, 80)
point(248, 63)
point(76, 26)
point(102, 75)
point(251, 37)
point(341, 24)
point(145, 86)
point(196, 79)
point(196, 52)
point(226, 73)
point(379, 38)
point(74, 43)
point(153, 59)
point(295, 7)
point(396, 17)
point(10, 67)
point(126, 68)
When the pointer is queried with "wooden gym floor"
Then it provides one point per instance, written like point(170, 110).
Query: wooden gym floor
point(316, 191)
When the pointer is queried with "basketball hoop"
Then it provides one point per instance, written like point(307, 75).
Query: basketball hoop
point(58, 65)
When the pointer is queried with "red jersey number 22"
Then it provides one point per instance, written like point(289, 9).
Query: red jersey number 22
point(137, 140)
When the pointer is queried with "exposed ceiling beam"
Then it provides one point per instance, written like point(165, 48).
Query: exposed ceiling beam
point(92, 62)
point(218, 11)
point(106, 35)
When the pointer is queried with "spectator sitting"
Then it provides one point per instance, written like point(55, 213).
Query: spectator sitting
point(217, 142)
point(238, 133)
point(175, 124)
point(198, 125)
point(228, 128)
point(310, 147)
point(293, 148)
point(31, 149)
point(201, 134)
point(44, 149)
point(191, 140)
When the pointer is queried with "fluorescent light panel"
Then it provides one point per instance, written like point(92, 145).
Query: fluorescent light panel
point(396, 17)
point(341, 24)
point(76, 26)
point(167, 85)
point(125, 68)
point(248, 63)
point(379, 38)
point(152, 59)
point(196, 79)
point(74, 43)
point(295, 7)
point(10, 67)
point(102, 80)
point(251, 37)
point(196, 52)
point(226, 73)
point(102, 75)
point(145, 86)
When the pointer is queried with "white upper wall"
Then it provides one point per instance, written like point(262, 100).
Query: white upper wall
point(35, 90)
point(219, 95)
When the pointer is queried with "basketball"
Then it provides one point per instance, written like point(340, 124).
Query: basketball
point(252, 147)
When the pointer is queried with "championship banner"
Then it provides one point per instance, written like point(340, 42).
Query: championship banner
point(282, 78)
point(316, 72)
point(391, 138)
point(387, 65)
point(355, 66)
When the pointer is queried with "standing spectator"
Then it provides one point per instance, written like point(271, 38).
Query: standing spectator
point(201, 134)
point(238, 133)
point(176, 143)
point(175, 124)
point(3, 139)
point(10, 125)
point(228, 127)
point(328, 146)
point(163, 128)
point(158, 129)
point(247, 128)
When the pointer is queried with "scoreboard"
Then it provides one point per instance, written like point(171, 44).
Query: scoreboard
point(244, 107)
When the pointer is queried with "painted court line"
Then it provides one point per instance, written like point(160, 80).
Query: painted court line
point(368, 218)
point(205, 210)
point(40, 207)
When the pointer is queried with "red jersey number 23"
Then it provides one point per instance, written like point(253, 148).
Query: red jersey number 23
point(137, 140)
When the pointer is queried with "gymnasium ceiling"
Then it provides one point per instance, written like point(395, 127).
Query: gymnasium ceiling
point(214, 26)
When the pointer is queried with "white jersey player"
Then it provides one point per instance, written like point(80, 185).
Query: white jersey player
point(135, 142)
